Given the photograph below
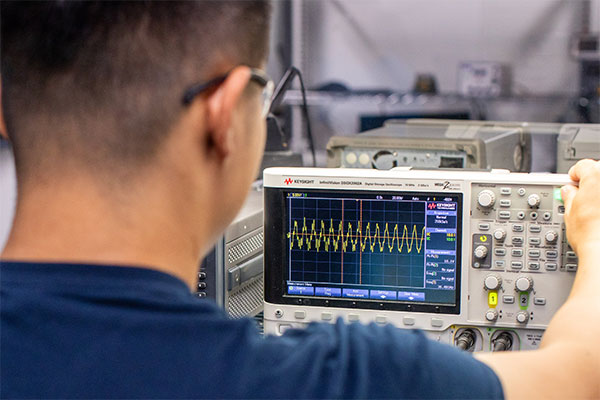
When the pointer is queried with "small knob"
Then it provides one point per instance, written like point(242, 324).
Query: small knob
point(524, 284)
point(522, 316)
point(492, 282)
point(480, 252)
point(551, 237)
point(491, 314)
point(533, 200)
point(499, 234)
point(486, 198)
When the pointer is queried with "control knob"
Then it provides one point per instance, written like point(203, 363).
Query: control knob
point(524, 284)
point(486, 198)
point(551, 237)
point(499, 234)
point(480, 252)
point(492, 282)
point(522, 317)
point(534, 200)
point(491, 314)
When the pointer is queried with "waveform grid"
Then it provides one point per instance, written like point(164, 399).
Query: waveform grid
point(328, 238)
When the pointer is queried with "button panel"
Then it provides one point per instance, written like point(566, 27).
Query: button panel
point(529, 242)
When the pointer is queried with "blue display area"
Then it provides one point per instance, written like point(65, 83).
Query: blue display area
point(373, 246)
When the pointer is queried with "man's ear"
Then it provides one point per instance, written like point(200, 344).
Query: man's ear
point(220, 107)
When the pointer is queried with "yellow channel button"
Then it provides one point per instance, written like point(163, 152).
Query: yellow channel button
point(493, 298)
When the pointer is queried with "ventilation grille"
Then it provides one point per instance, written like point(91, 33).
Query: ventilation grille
point(245, 248)
point(247, 301)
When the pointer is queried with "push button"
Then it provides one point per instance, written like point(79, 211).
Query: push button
point(299, 314)
point(516, 265)
point(436, 322)
point(353, 317)
point(517, 228)
point(504, 214)
point(550, 266)
point(539, 301)
point(533, 253)
point(508, 299)
point(551, 254)
point(517, 252)
point(326, 316)
point(408, 321)
point(500, 252)
point(484, 227)
point(534, 266)
point(571, 267)
point(535, 228)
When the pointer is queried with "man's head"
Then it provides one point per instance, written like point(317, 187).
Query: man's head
point(97, 81)
point(95, 89)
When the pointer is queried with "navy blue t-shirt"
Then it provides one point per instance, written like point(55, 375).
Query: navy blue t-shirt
point(93, 331)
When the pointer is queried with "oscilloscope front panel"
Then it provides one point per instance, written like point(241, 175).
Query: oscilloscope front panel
point(434, 250)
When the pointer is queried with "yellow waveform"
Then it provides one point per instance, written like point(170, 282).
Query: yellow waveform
point(313, 237)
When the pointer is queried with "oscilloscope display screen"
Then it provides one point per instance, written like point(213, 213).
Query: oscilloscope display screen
point(373, 247)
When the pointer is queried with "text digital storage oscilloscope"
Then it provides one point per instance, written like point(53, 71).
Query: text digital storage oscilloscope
point(478, 259)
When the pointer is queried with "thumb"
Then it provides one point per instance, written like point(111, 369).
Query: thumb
point(568, 193)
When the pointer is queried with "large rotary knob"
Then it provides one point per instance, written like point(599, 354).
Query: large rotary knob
point(491, 314)
point(524, 284)
point(522, 317)
point(486, 198)
point(534, 200)
point(551, 237)
point(492, 282)
point(480, 252)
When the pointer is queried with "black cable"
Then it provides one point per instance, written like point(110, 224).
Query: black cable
point(277, 99)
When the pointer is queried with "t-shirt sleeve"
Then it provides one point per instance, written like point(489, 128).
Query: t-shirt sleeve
point(357, 361)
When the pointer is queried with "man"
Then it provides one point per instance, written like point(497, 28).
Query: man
point(128, 170)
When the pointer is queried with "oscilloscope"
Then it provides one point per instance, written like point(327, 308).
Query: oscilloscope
point(477, 259)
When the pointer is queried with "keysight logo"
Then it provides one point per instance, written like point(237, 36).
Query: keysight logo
point(289, 181)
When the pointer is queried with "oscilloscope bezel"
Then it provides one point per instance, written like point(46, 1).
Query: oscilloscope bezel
point(276, 256)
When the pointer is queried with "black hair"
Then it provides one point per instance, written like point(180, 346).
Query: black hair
point(99, 83)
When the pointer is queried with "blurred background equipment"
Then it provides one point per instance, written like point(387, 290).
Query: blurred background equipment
point(231, 274)
point(431, 144)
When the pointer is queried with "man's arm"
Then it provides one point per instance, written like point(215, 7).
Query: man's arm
point(567, 365)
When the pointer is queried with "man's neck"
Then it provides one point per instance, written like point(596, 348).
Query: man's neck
point(85, 225)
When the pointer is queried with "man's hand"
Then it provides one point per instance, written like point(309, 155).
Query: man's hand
point(582, 214)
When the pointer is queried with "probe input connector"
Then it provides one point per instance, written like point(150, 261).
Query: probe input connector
point(502, 342)
point(465, 339)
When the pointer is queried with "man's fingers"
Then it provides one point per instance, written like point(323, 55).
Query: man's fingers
point(568, 193)
point(580, 169)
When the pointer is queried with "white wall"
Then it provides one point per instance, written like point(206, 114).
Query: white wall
point(378, 43)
